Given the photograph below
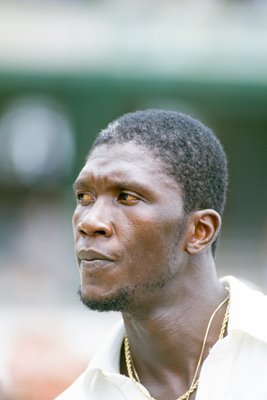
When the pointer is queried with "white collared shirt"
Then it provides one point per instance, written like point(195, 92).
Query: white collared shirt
point(236, 368)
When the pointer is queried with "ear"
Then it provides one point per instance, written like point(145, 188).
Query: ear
point(203, 228)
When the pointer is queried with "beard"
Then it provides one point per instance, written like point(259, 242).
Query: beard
point(118, 302)
point(126, 299)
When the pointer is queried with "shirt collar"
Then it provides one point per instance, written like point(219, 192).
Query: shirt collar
point(107, 358)
point(248, 309)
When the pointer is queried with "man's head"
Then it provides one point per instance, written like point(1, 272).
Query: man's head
point(148, 202)
point(190, 152)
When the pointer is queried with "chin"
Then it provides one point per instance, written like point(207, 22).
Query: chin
point(116, 302)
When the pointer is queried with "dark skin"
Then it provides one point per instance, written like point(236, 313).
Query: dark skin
point(131, 233)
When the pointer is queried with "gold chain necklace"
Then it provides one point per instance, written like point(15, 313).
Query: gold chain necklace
point(132, 373)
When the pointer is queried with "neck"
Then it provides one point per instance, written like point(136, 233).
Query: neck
point(175, 328)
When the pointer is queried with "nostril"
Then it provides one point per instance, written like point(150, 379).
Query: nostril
point(93, 232)
point(82, 231)
point(100, 232)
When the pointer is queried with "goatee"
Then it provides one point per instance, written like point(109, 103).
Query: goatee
point(120, 302)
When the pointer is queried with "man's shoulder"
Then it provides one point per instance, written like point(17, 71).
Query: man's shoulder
point(75, 391)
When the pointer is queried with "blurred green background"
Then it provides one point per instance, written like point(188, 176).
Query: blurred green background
point(66, 70)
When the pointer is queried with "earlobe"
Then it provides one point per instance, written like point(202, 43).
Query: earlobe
point(204, 226)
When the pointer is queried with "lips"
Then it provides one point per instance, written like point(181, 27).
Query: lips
point(91, 256)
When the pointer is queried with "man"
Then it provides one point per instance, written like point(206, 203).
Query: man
point(149, 204)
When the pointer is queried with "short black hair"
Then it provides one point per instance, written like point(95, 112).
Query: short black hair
point(189, 150)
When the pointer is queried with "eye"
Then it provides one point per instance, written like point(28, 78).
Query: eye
point(128, 198)
point(85, 198)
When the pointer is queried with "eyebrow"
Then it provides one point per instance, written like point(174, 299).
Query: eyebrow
point(77, 183)
point(81, 183)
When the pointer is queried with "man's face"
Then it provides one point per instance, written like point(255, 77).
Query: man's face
point(128, 228)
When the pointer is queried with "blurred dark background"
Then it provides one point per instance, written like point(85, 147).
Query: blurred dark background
point(66, 70)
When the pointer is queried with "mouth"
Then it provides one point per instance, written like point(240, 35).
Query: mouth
point(94, 265)
point(93, 260)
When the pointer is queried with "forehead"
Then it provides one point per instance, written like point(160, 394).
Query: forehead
point(126, 162)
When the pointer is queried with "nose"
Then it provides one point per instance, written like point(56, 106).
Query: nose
point(95, 220)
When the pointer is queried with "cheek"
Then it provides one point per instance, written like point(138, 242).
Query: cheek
point(154, 241)
point(75, 219)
